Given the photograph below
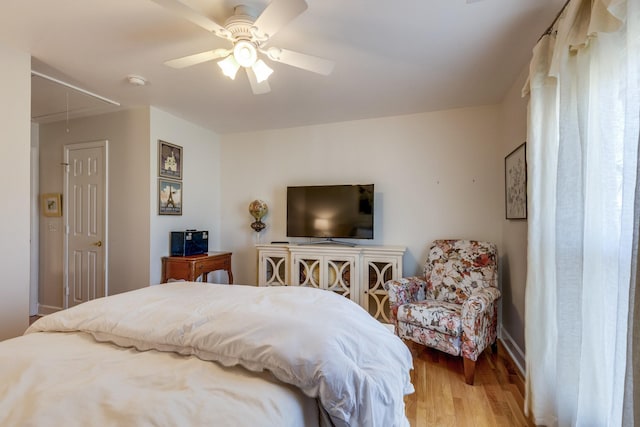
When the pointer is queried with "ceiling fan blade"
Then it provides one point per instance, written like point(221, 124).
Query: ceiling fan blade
point(198, 58)
point(301, 60)
point(184, 11)
point(257, 88)
point(277, 14)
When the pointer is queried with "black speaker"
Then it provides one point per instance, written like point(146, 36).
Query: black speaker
point(189, 242)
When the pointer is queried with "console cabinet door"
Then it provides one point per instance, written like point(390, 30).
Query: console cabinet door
point(273, 267)
point(307, 270)
point(337, 273)
point(341, 276)
point(378, 270)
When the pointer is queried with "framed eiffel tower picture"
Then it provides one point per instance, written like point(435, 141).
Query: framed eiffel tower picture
point(169, 197)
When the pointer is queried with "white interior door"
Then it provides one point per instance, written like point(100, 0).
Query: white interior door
point(85, 206)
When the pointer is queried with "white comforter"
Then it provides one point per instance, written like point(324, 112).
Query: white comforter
point(319, 341)
point(69, 380)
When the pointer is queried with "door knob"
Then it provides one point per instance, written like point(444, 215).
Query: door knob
point(98, 243)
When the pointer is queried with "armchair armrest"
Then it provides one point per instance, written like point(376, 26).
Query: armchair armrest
point(479, 300)
point(404, 290)
point(479, 321)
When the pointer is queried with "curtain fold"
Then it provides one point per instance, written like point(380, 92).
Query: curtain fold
point(583, 128)
point(542, 146)
point(631, 404)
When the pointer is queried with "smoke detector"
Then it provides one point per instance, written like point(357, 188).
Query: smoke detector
point(136, 80)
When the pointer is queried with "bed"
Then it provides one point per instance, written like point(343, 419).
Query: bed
point(192, 354)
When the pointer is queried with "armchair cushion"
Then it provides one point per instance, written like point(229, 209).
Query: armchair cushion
point(435, 315)
point(456, 268)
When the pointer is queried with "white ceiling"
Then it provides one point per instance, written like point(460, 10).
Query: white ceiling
point(392, 58)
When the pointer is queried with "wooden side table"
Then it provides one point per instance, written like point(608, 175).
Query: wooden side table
point(193, 266)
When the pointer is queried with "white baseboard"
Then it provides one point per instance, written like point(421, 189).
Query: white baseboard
point(516, 353)
point(43, 310)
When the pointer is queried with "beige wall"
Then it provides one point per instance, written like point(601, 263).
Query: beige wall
point(201, 186)
point(137, 235)
point(129, 197)
point(514, 232)
point(436, 175)
point(15, 87)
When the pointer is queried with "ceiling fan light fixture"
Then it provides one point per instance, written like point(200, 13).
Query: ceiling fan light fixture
point(261, 70)
point(229, 67)
point(248, 35)
point(245, 53)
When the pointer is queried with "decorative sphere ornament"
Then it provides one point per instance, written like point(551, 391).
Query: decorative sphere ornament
point(258, 209)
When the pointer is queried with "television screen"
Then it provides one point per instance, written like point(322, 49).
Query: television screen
point(330, 211)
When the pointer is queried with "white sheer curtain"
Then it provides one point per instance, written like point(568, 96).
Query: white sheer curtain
point(582, 151)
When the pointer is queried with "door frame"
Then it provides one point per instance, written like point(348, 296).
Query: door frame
point(34, 240)
point(103, 143)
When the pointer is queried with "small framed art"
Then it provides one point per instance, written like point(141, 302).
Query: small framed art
point(515, 182)
point(169, 160)
point(52, 204)
point(169, 197)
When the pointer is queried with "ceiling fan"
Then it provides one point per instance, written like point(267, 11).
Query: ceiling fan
point(250, 37)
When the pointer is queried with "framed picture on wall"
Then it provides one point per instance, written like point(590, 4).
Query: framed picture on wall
point(169, 160)
point(52, 204)
point(169, 197)
point(515, 182)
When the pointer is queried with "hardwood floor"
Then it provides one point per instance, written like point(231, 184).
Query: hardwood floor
point(443, 399)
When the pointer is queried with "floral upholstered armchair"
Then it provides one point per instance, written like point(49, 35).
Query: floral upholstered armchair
point(454, 307)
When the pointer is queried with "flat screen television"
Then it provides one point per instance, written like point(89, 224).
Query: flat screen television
point(330, 211)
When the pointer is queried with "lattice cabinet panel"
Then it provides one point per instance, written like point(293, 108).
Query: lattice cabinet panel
point(273, 268)
point(307, 272)
point(377, 272)
point(339, 277)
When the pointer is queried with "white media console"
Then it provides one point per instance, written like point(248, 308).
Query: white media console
point(356, 272)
